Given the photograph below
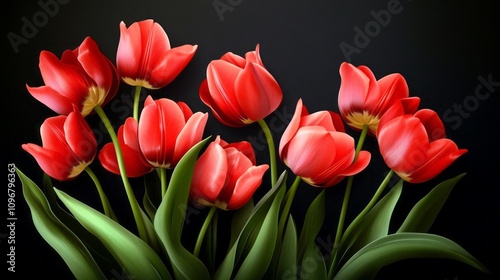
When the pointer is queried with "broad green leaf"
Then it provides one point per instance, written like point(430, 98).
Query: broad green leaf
point(169, 218)
point(57, 235)
point(399, 246)
point(313, 222)
point(135, 257)
point(313, 264)
point(287, 263)
point(240, 217)
point(152, 193)
point(226, 268)
point(423, 214)
point(102, 256)
point(373, 225)
point(259, 257)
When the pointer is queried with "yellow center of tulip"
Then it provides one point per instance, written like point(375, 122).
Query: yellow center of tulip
point(78, 169)
point(405, 176)
point(358, 120)
point(96, 96)
point(138, 82)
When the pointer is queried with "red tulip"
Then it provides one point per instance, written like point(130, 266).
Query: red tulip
point(135, 163)
point(240, 91)
point(167, 130)
point(363, 99)
point(226, 175)
point(414, 145)
point(316, 148)
point(69, 146)
point(83, 77)
point(145, 58)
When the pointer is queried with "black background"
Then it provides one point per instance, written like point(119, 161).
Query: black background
point(442, 48)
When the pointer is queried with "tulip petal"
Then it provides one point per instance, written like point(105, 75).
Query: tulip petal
point(246, 186)
point(191, 133)
point(257, 92)
point(164, 71)
point(304, 157)
point(442, 153)
point(80, 138)
point(432, 123)
point(234, 59)
point(96, 65)
point(53, 163)
point(292, 128)
point(52, 133)
point(392, 88)
point(207, 99)
point(245, 148)
point(354, 87)
point(52, 99)
point(129, 50)
point(209, 174)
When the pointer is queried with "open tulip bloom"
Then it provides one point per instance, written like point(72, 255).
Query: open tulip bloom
point(188, 176)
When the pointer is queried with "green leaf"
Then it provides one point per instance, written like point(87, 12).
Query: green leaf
point(259, 257)
point(57, 235)
point(253, 223)
point(135, 257)
point(287, 263)
point(423, 214)
point(169, 218)
point(152, 194)
point(313, 264)
point(373, 225)
point(240, 217)
point(399, 246)
point(313, 222)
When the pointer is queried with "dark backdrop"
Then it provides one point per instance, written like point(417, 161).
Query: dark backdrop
point(446, 50)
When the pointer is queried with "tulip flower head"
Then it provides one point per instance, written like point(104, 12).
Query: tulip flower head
point(414, 145)
point(145, 57)
point(363, 99)
point(83, 77)
point(226, 175)
point(240, 91)
point(167, 130)
point(316, 148)
point(68, 146)
point(135, 163)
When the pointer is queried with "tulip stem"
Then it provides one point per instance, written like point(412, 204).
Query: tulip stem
point(272, 152)
point(345, 202)
point(163, 180)
point(119, 156)
point(137, 95)
point(104, 200)
point(203, 230)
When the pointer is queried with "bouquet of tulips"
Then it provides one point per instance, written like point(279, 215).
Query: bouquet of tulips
point(164, 143)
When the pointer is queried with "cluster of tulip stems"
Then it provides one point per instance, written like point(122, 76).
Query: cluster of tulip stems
point(211, 173)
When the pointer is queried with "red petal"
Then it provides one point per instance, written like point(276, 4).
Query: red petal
point(128, 55)
point(354, 88)
point(164, 71)
point(80, 137)
point(52, 99)
point(55, 164)
point(392, 88)
point(257, 92)
point(246, 186)
point(96, 65)
point(291, 129)
point(432, 123)
point(190, 135)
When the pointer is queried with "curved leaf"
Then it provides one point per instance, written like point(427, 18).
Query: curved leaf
point(57, 235)
point(313, 264)
point(399, 246)
point(259, 257)
point(226, 268)
point(423, 214)
point(135, 257)
point(372, 226)
point(169, 218)
point(312, 224)
point(287, 263)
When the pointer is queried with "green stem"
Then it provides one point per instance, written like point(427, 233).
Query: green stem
point(104, 200)
point(272, 152)
point(345, 202)
point(137, 95)
point(163, 180)
point(288, 203)
point(370, 204)
point(119, 157)
point(203, 230)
